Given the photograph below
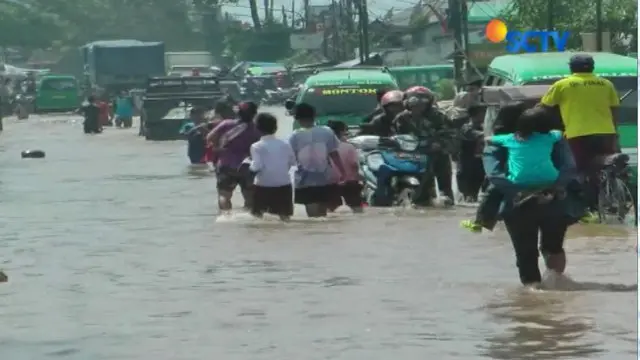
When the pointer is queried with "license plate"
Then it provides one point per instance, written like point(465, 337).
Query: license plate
point(408, 156)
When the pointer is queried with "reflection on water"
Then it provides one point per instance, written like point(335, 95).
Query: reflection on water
point(539, 325)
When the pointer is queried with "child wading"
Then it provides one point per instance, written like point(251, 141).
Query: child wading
point(348, 192)
point(271, 160)
point(195, 132)
point(316, 151)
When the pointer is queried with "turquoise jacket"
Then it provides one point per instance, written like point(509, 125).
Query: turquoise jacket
point(573, 206)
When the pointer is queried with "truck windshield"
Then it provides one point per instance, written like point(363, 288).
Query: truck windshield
point(58, 84)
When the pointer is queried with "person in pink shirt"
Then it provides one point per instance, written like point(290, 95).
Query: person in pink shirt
point(349, 190)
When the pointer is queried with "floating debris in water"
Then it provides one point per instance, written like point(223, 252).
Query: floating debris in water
point(33, 154)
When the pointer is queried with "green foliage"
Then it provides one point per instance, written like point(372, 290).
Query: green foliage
point(578, 16)
point(269, 44)
point(181, 25)
point(17, 19)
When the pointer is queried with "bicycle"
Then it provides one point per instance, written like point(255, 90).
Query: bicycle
point(614, 197)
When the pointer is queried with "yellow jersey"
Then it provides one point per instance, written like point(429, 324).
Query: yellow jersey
point(585, 102)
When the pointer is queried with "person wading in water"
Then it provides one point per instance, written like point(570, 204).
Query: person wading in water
point(316, 148)
point(231, 141)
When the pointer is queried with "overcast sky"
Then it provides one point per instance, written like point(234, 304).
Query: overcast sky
point(376, 7)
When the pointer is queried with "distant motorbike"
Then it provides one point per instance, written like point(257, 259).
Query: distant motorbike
point(391, 168)
point(253, 95)
point(23, 106)
point(278, 96)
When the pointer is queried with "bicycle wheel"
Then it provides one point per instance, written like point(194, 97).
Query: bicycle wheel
point(615, 201)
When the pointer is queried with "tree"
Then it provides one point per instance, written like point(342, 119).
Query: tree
point(579, 16)
point(40, 23)
point(181, 25)
point(22, 25)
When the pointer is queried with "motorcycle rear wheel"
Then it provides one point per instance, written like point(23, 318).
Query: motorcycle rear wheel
point(405, 197)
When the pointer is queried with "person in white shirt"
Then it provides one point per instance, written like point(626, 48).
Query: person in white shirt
point(271, 160)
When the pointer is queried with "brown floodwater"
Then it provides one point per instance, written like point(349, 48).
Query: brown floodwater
point(114, 251)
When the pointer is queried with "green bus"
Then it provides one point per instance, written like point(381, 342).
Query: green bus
point(546, 68)
point(55, 93)
point(344, 94)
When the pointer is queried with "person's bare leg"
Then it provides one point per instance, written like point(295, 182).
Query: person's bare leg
point(556, 262)
point(224, 200)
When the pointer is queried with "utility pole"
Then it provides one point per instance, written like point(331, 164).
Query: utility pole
point(455, 22)
point(293, 14)
point(360, 30)
point(325, 35)
point(341, 23)
point(550, 20)
point(599, 25)
point(350, 29)
point(306, 14)
point(335, 36)
point(464, 19)
point(365, 29)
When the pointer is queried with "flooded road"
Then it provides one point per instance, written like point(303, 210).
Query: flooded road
point(114, 251)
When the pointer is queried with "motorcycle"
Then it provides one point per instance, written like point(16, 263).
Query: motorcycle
point(278, 96)
point(23, 105)
point(391, 168)
point(251, 95)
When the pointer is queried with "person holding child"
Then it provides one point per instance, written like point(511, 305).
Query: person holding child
point(531, 171)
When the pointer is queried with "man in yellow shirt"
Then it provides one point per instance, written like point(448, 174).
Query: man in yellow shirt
point(588, 105)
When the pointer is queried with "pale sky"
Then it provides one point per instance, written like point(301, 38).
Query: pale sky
point(376, 7)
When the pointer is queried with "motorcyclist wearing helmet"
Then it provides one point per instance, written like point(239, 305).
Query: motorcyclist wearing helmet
point(425, 121)
point(378, 110)
point(382, 124)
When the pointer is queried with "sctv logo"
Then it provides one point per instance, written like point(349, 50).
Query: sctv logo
point(517, 41)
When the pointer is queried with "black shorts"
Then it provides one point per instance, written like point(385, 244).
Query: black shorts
point(273, 200)
point(349, 193)
point(228, 178)
point(314, 194)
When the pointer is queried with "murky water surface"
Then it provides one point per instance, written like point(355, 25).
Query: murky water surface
point(114, 252)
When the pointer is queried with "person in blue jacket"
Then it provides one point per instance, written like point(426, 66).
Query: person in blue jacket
point(123, 109)
point(195, 131)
